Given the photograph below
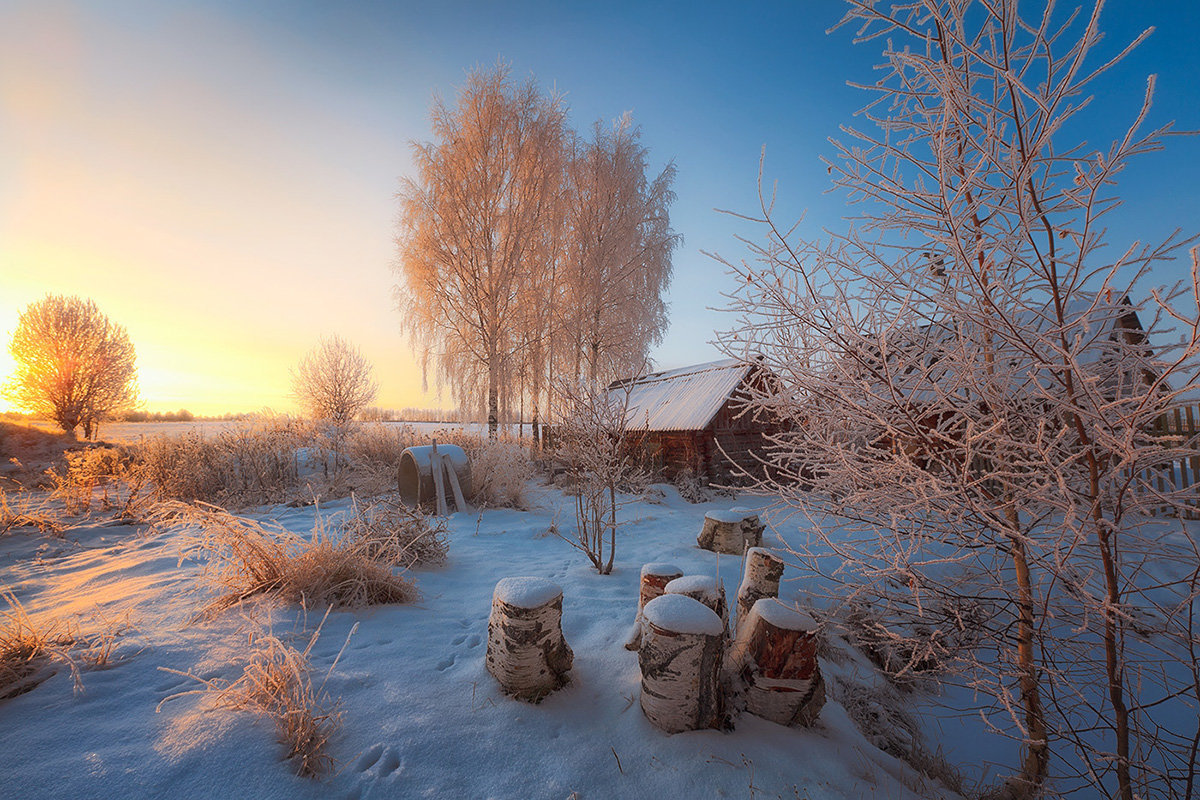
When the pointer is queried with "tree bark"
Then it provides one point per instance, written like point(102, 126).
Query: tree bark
point(655, 578)
point(728, 532)
point(760, 579)
point(775, 658)
point(680, 660)
point(526, 651)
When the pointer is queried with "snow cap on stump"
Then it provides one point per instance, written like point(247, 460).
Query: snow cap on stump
point(785, 617)
point(526, 592)
point(682, 614)
point(660, 568)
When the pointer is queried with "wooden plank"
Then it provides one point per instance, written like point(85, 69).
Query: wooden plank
point(460, 503)
point(439, 486)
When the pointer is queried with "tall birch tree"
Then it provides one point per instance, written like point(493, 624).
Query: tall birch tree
point(619, 250)
point(471, 228)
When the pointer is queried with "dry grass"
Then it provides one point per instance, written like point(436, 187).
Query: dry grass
point(277, 683)
point(251, 465)
point(500, 469)
point(27, 650)
point(246, 558)
point(109, 477)
point(393, 533)
point(24, 512)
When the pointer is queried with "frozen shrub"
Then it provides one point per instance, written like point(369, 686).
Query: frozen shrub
point(881, 717)
point(690, 487)
point(23, 512)
point(600, 452)
point(109, 476)
point(246, 558)
point(395, 534)
point(499, 470)
point(250, 465)
point(28, 648)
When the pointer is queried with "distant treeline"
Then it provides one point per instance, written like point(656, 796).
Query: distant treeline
point(377, 414)
point(371, 414)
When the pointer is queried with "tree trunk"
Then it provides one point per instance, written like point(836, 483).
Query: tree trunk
point(775, 658)
point(680, 661)
point(655, 578)
point(526, 651)
point(725, 532)
point(760, 579)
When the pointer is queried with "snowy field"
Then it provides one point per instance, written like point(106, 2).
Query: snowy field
point(422, 717)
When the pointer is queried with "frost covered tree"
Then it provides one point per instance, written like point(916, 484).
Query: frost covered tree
point(618, 253)
point(73, 364)
point(526, 253)
point(333, 381)
point(599, 448)
point(471, 224)
point(973, 386)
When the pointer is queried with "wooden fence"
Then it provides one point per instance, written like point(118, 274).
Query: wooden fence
point(1182, 426)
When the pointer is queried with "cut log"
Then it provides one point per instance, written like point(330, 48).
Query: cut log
point(727, 531)
point(752, 527)
point(655, 578)
point(707, 590)
point(775, 657)
point(526, 651)
point(760, 579)
point(680, 660)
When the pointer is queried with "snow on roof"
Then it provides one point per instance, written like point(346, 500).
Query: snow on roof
point(684, 399)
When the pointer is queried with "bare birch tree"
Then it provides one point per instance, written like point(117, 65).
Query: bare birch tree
point(333, 381)
point(973, 396)
point(470, 226)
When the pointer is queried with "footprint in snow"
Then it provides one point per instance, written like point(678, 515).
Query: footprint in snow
point(369, 758)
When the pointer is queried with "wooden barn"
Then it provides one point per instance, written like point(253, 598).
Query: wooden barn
point(694, 418)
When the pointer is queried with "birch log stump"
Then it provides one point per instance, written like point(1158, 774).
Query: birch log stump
point(708, 590)
point(752, 527)
point(775, 655)
point(526, 651)
point(760, 579)
point(655, 578)
point(680, 660)
point(728, 531)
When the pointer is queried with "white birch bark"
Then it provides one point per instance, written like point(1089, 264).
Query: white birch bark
point(680, 659)
point(526, 650)
point(760, 579)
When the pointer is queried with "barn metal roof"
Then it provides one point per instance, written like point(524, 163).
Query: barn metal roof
point(684, 399)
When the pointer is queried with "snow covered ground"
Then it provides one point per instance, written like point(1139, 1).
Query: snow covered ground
point(422, 717)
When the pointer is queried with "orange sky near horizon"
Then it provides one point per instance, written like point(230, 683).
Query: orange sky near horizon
point(199, 203)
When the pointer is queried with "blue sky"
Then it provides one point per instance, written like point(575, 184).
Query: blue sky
point(221, 176)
